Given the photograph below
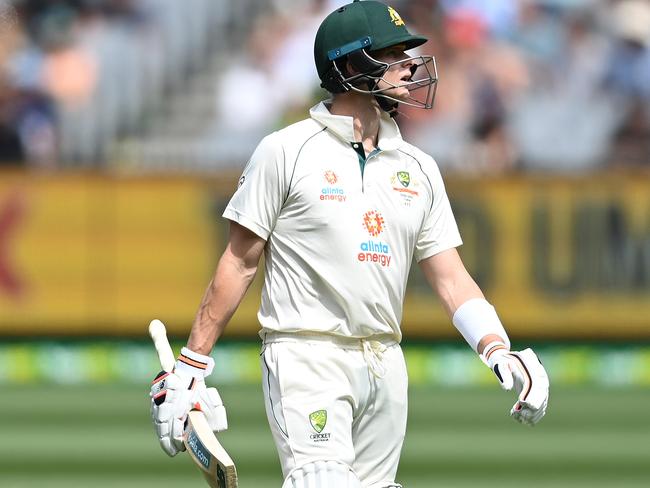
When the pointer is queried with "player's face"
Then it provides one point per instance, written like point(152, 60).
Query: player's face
point(398, 73)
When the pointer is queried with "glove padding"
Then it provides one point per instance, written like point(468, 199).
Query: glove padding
point(173, 395)
point(525, 372)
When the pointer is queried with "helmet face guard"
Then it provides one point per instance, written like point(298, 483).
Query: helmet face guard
point(422, 83)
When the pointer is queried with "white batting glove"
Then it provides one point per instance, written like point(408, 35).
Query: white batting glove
point(174, 394)
point(525, 372)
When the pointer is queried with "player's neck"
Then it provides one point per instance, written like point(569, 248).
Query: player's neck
point(365, 112)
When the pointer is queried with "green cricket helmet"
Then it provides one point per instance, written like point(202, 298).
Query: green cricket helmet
point(351, 34)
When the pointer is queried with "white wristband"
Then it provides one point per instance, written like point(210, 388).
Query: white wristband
point(194, 364)
point(475, 319)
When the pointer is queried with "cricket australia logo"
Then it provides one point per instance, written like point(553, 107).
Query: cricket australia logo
point(404, 178)
point(406, 186)
point(318, 420)
point(374, 251)
point(395, 17)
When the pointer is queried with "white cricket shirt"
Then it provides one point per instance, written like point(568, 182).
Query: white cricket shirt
point(341, 228)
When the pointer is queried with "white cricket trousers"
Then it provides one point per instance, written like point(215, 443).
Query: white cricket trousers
point(336, 399)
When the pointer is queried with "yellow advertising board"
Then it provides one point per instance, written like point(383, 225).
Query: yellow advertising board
point(559, 258)
point(89, 255)
point(102, 256)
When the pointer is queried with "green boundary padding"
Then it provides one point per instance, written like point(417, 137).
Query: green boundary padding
point(79, 362)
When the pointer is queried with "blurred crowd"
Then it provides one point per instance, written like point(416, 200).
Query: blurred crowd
point(46, 70)
point(561, 85)
point(77, 74)
point(549, 85)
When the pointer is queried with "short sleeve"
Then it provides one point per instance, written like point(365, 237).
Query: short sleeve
point(439, 231)
point(258, 200)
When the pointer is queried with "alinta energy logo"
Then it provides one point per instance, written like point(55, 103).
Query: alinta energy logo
point(331, 192)
point(374, 223)
point(330, 177)
point(374, 251)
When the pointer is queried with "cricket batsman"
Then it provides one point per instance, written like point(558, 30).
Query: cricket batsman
point(340, 205)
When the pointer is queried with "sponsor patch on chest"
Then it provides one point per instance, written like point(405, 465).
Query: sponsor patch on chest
point(332, 192)
point(374, 250)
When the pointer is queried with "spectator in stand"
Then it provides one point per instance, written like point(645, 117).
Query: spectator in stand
point(11, 150)
point(482, 78)
point(564, 121)
point(628, 79)
point(27, 113)
point(289, 69)
point(257, 109)
point(11, 36)
point(54, 72)
point(273, 74)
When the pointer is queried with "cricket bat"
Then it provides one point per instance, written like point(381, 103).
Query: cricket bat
point(204, 448)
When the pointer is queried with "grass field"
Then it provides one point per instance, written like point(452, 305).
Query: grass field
point(100, 436)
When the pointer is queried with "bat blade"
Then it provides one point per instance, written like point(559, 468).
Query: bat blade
point(208, 454)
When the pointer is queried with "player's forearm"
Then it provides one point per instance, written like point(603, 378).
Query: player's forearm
point(448, 277)
point(460, 291)
point(456, 290)
point(220, 301)
point(463, 300)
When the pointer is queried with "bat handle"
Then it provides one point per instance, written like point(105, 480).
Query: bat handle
point(158, 335)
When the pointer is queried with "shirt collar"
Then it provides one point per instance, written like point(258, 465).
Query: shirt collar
point(342, 126)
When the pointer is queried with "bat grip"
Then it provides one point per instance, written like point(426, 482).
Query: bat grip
point(158, 335)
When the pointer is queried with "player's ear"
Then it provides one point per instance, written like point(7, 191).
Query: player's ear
point(348, 69)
